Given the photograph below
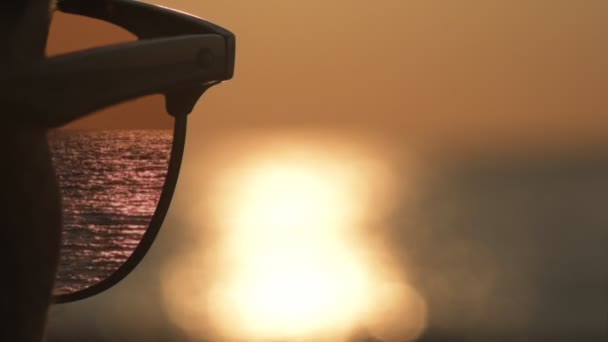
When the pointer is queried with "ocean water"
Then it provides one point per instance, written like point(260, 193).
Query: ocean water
point(110, 183)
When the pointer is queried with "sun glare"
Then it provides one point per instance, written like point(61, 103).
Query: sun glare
point(292, 272)
point(289, 197)
point(289, 253)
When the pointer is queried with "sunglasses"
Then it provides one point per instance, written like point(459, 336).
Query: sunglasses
point(115, 89)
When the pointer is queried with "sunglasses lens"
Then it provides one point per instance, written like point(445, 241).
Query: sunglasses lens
point(111, 167)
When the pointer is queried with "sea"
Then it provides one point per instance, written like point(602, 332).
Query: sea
point(110, 182)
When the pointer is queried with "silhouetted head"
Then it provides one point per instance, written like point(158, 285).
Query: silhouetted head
point(184, 56)
point(29, 207)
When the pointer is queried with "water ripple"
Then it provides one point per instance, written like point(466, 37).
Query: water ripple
point(110, 183)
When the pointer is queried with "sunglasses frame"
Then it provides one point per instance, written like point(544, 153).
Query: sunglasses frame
point(178, 55)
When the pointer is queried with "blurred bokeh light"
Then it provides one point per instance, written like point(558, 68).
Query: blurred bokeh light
point(287, 252)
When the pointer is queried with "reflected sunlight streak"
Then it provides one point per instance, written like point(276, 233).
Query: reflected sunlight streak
point(291, 271)
point(290, 257)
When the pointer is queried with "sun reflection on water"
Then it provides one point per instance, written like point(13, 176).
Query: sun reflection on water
point(290, 257)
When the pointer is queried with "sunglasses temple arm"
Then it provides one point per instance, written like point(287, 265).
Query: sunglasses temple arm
point(149, 21)
point(142, 19)
point(67, 87)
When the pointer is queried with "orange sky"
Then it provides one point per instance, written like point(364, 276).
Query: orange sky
point(477, 70)
point(466, 72)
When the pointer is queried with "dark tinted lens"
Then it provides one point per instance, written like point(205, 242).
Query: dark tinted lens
point(111, 166)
